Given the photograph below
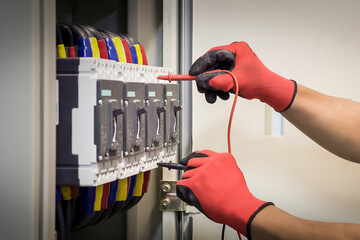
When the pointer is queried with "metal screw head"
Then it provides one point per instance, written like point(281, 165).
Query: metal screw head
point(100, 101)
point(165, 202)
point(166, 187)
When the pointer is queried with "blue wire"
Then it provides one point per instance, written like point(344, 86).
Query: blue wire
point(111, 50)
point(132, 187)
point(113, 190)
point(58, 194)
point(134, 55)
point(87, 200)
point(84, 47)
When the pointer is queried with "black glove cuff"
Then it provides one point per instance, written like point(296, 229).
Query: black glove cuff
point(293, 97)
point(253, 216)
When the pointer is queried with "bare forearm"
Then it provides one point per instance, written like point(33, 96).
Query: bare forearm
point(272, 223)
point(332, 122)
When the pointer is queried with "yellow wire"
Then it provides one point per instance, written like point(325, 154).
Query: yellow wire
point(94, 47)
point(61, 51)
point(119, 49)
point(65, 192)
point(138, 53)
point(139, 184)
point(121, 193)
point(98, 197)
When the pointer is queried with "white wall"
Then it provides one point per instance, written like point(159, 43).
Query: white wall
point(317, 43)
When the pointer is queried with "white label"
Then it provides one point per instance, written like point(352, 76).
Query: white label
point(152, 94)
point(169, 94)
point(131, 94)
point(106, 92)
point(57, 102)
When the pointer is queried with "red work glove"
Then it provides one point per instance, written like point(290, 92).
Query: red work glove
point(255, 79)
point(213, 183)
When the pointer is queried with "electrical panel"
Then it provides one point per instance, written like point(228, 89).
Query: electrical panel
point(114, 120)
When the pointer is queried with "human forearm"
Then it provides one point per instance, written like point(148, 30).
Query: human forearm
point(272, 223)
point(332, 122)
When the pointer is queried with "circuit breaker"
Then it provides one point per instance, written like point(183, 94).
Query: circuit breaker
point(114, 120)
point(172, 108)
point(134, 127)
point(108, 120)
point(155, 122)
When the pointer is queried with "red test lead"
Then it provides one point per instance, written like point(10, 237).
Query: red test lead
point(177, 77)
point(180, 77)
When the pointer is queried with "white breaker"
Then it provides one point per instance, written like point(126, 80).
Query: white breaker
point(114, 120)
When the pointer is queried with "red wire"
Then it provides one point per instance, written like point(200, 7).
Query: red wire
point(233, 106)
point(232, 113)
point(182, 77)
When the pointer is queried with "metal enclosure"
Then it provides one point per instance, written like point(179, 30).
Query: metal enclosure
point(27, 175)
point(34, 113)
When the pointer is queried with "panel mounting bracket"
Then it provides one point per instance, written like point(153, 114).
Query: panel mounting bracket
point(168, 199)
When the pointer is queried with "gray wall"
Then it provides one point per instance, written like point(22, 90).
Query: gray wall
point(21, 116)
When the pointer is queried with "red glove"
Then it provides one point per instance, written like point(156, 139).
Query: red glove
point(213, 183)
point(255, 79)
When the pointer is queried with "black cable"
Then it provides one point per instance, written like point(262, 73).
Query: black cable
point(103, 34)
point(67, 35)
point(123, 36)
point(191, 226)
point(86, 30)
point(59, 39)
point(110, 34)
point(93, 30)
point(60, 223)
point(76, 31)
point(67, 209)
point(223, 232)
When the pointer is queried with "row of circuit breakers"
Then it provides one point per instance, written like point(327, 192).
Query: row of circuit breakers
point(114, 120)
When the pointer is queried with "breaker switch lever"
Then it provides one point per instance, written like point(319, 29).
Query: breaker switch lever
point(177, 108)
point(141, 111)
point(118, 112)
point(160, 110)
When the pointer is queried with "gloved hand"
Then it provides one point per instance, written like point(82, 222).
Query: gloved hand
point(254, 78)
point(213, 183)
